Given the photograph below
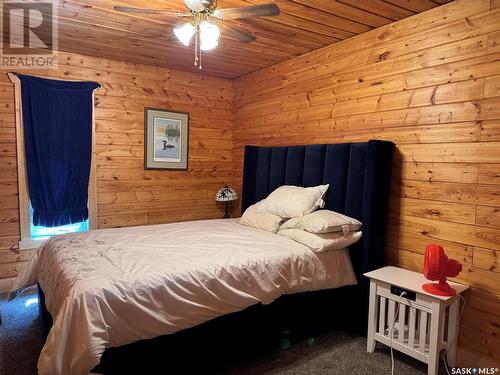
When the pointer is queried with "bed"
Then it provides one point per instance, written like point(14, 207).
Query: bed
point(104, 291)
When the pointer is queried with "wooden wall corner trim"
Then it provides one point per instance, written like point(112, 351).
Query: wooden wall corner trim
point(92, 199)
point(22, 179)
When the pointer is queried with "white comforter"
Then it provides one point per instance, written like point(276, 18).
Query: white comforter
point(111, 287)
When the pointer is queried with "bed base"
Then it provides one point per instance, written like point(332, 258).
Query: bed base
point(234, 338)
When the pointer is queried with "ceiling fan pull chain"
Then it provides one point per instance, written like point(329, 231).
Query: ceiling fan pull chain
point(200, 67)
point(196, 47)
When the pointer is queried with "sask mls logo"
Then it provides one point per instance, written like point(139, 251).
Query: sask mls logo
point(29, 35)
point(474, 371)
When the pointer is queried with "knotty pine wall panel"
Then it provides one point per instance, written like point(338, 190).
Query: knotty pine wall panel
point(126, 193)
point(431, 84)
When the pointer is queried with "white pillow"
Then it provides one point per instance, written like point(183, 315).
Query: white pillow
point(322, 242)
point(293, 201)
point(324, 221)
point(264, 221)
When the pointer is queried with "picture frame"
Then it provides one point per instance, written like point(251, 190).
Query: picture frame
point(166, 139)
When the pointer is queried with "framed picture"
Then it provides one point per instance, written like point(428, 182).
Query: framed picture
point(166, 139)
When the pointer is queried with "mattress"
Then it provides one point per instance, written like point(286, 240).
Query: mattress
point(111, 287)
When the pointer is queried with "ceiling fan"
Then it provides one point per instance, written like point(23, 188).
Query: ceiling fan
point(204, 21)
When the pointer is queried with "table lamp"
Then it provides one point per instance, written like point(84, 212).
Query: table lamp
point(226, 195)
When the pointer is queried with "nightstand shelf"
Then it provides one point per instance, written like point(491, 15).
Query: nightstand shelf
point(429, 322)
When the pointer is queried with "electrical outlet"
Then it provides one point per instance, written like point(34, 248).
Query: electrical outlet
point(409, 294)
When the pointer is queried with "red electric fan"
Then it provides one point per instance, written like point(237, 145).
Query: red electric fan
point(437, 266)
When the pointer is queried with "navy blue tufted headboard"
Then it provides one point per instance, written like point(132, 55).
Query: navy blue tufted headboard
point(358, 174)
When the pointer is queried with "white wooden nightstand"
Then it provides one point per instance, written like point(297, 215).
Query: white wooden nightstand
point(426, 324)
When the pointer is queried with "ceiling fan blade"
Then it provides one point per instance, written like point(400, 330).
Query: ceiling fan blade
point(264, 10)
point(242, 36)
point(145, 10)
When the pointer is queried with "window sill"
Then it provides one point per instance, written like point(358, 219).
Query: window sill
point(27, 244)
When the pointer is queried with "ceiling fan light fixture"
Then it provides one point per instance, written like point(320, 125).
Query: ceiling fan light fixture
point(184, 33)
point(207, 45)
point(218, 13)
point(209, 31)
point(196, 5)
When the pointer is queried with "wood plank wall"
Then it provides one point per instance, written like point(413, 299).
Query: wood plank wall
point(431, 84)
point(127, 194)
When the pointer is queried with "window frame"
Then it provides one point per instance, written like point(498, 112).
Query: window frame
point(26, 243)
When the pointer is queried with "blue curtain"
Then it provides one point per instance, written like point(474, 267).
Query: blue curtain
point(57, 118)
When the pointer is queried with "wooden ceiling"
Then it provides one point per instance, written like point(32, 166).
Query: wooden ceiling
point(93, 27)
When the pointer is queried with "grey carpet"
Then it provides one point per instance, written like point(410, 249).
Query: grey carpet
point(334, 353)
point(19, 335)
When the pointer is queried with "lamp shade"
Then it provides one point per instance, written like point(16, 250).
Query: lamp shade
point(207, 45)
point(209, 31)
point(209, 35)
point(226, 194)
point(185, 33)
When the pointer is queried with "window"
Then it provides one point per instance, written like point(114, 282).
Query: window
point(31, 235)
point(42, 233)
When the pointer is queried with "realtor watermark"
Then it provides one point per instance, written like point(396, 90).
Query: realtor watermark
point(474, 370)
point(29, 35)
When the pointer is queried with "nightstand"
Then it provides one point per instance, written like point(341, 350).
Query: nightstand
point(426, 324)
